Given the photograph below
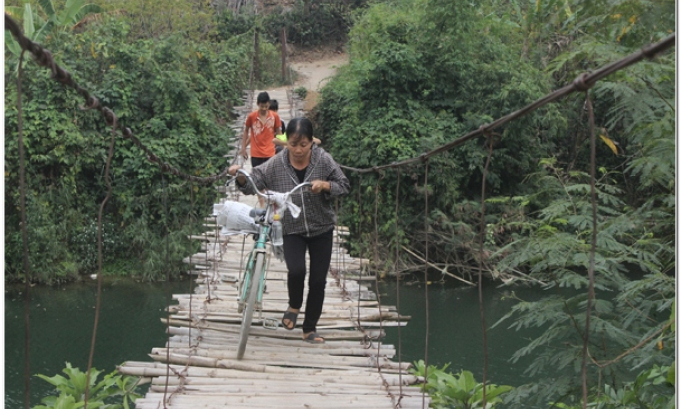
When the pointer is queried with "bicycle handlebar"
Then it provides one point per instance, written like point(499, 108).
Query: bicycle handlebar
point(266, 195)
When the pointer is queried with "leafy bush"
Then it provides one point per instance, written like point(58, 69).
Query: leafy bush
point(631, 269)
point(311, 23)
point(459, 391)
point(421, 74)
point(652, 389)
point(158, 88)
point(85, 245)
point(301, 92)
point(112, 392)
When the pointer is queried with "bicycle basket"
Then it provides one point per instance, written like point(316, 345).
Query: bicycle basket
point(234, 218)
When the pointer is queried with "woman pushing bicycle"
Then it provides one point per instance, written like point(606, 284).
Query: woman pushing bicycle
point(312, 231)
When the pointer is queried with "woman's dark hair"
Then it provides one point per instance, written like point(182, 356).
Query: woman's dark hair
point(301, 127)
point(263, 97)
point(274, 105)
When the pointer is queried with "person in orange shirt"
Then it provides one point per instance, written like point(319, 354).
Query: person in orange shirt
point(261, 127)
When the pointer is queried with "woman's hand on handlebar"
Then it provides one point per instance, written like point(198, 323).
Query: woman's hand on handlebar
point(232, 169)
point(319, 186)
point(240, 177)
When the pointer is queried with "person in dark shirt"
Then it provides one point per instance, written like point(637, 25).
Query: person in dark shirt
point(311, 232)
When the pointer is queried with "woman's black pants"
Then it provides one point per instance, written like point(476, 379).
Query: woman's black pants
point(319, 247)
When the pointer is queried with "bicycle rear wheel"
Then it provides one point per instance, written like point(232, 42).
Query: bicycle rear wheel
point(250, 304)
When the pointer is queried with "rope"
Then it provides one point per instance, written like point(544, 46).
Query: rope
point(378, 293)
point(378, 183)
point(592, 253)
point(425, 373)
point(361, 255)
point(191, 253)
point(482, 258)
point(107, 178)
point(398, 274)
point(24, 239)
point(340, 263)
point(168, 297)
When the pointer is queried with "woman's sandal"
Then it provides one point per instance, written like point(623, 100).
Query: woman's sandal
point(291, 317)
point(313, 338)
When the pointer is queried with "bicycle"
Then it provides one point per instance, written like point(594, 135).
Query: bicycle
point(252, 284)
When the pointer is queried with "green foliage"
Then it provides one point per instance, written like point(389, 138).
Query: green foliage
point(266, 69)
point(149, 19)
point(652, 389)
point(174, 93)
point(229, 25)
point(311, 23)
point(30, 20)
point(301, 92)
point(37, 27)
point(632, 263)
point(112, 392)
point(423, 73)
point(85, 245)
point(308, 23)
point(72, 13)
point(457, 391)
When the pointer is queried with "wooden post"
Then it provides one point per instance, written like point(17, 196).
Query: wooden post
point(256, 58)
point(283, 54)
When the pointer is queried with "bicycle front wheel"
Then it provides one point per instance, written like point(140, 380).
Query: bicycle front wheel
point(250, 304)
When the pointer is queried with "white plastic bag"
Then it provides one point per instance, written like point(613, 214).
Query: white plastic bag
point(234, 218)
point(284, 202)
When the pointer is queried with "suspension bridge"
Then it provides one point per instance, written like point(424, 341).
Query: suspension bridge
point(197, 366)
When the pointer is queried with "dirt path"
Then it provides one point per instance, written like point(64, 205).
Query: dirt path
point(314, 70)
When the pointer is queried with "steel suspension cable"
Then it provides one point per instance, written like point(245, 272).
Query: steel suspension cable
point(107, 178)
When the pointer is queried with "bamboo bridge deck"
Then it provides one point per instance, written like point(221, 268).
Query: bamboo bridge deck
point(198, 368)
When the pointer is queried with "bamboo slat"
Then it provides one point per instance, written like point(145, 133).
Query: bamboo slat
point(286, 357)
point(281, 333)
point(357, 351)
point(349, 375)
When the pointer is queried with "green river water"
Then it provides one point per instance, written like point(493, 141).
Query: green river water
point(129, 327)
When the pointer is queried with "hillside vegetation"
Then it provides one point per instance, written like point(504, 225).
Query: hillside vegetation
point(425, 72)
point(171, 72)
